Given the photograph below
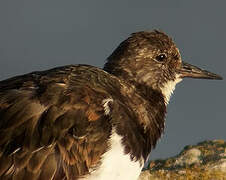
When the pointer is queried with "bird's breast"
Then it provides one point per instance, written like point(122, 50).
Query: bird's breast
point(115, 164)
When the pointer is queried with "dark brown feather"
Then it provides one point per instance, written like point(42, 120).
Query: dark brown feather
point(52, 128)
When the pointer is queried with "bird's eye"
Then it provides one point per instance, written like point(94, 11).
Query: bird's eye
point(161, 57)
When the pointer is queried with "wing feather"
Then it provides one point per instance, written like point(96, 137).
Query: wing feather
point(51, 127)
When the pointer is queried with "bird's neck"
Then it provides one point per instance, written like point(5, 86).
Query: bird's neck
point(146, 89)
point(150, 107)
point(155, 106)
point(168, 88)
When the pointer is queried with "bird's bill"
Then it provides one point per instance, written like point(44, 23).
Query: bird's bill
point(190, 71)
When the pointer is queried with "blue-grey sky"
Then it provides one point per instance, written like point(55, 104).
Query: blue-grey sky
point(38, 35)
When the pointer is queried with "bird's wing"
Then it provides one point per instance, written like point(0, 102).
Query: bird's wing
point(51, 127)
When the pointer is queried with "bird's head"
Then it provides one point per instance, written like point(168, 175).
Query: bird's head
point(152, 59)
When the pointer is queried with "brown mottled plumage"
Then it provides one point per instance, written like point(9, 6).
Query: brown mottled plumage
point(54, 125)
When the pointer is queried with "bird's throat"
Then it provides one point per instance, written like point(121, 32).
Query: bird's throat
point(168, 88)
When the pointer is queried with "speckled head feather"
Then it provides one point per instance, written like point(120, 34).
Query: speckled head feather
point(146, 58)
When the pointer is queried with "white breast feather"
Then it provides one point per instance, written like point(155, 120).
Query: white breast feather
point(115, 164)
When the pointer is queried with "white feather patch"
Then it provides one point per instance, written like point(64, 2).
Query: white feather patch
point(106, 105)
point(115, 164)
point(168, 88)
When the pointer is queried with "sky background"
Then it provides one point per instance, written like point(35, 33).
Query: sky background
point(38, 35)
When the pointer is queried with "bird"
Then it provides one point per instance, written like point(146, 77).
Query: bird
point(83, 122)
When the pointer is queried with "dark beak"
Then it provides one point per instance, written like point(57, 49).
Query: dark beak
point(190, 71)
